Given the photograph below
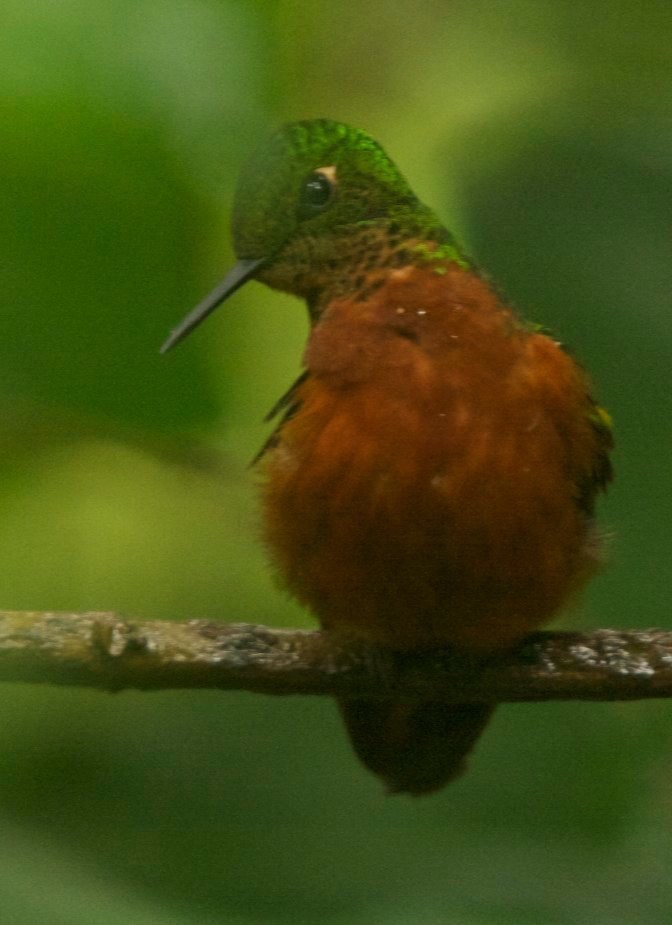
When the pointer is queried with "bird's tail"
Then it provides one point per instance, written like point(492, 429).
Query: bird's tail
point(415, 747)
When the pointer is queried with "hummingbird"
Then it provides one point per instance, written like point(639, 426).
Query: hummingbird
point(431, 481)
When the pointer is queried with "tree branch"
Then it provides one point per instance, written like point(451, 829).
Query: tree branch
point(104, 651)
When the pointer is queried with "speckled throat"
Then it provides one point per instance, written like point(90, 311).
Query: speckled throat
point(353, 262)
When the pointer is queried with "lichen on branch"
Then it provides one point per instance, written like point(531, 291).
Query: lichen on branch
point(109, 652)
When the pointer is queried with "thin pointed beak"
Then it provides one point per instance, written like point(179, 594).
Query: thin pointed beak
point(233, 280)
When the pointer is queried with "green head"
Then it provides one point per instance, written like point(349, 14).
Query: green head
point(304, 205)
point(310, 180)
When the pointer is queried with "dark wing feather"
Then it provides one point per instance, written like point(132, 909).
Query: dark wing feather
point(286, 406)
point(602, 472)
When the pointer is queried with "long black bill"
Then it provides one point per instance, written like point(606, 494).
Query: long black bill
point(233, 280)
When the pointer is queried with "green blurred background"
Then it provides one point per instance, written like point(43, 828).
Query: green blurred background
point(542, 132)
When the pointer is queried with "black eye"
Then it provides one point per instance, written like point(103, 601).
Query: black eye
point(315, 195)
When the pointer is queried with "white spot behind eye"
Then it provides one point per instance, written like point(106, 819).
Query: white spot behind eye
point(329, 173)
